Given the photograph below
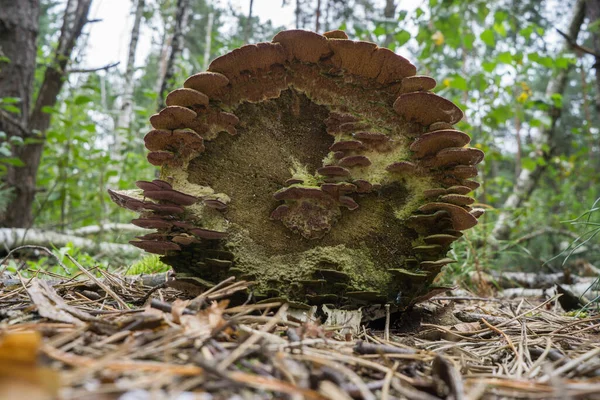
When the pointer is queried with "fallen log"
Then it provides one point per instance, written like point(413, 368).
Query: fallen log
point(14, 237)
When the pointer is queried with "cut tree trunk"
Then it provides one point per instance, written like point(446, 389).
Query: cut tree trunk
point(124, 121)
point(528, 179)
point(18, 35)
point(23, 179)
point(181, 18)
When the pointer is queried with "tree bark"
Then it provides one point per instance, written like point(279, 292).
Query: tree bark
point(18, 34)
point(527, 179)
point(248, 26)
point(23, 179)
point(593, 14)
point(181, 18)
point(389, 12)
point(124, 120)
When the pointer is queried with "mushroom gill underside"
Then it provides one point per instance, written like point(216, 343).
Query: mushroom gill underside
point(318, 167)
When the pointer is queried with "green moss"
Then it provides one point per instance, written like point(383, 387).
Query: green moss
point(150, 264)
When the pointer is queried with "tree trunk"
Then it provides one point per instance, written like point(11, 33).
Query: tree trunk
point(248, 26)
point(208, 40)
point(593, 14)
point(22, 179)
point(318, 17)
point(389, 12)
point(124, 120)
point(527, 180)
point(18, 35)
point(15, 237)
point(181, 17)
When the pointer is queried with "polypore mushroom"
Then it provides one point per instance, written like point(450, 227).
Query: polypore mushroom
point(427, 108)
point(432, 142)
point(346, 184)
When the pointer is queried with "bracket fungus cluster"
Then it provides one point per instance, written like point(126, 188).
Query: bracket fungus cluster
point(319, 167)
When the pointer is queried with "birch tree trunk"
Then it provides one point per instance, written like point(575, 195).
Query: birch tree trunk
point(181, 18)
point(527, 179)
point(208, 40)
point(23, 179)
point(124, 120)
point(593, 14)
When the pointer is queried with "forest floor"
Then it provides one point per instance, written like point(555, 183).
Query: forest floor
point(114, 338)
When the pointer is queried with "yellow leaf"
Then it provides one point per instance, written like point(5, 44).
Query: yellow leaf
point(525, 87)
point(438, 38)
point(446, 82)
point(522, 97)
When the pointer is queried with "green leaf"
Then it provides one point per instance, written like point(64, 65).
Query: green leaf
point(528, 164)
point(459, 83)
point(10, 108)
point(402, 37)
point(488, 37)
point(468, 40)
point(505, 57)
point(500, 29)
point(557, 100)
point(489, 66)
point(9, 100)
point(16, 162)
point(49, 110)
point(82, 99)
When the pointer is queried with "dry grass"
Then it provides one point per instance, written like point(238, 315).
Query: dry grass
point(96, 339)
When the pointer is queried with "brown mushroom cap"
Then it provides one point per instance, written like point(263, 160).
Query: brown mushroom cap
point(354, 57)
point(417, 83)
point(427, 108)
point(347, 145)
point(216, 204)
point(172, 196)
point(145, 185)
point(172, 117)
point(303, 45)
point(280, 212)
point(333, 170)
point(461, 219)
point(402, 167)
point(348, 202)
point(162, 184)
point(250, 57)
point(434, 193)
point(459, 189)
point(207, 82)
point(355, 161)
point(458, 155)
point(363, 186)
point(470, 184)
point(432, 142)
point(477, 212)
point(458, 199)
point(393, 67)
point(186, 97)
point(155, 246)
point(336, 34)
point(439, 126)
point(159, 158)
point(443, 239)
point(151, 223)
point(208, 234)
point(463, 171)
